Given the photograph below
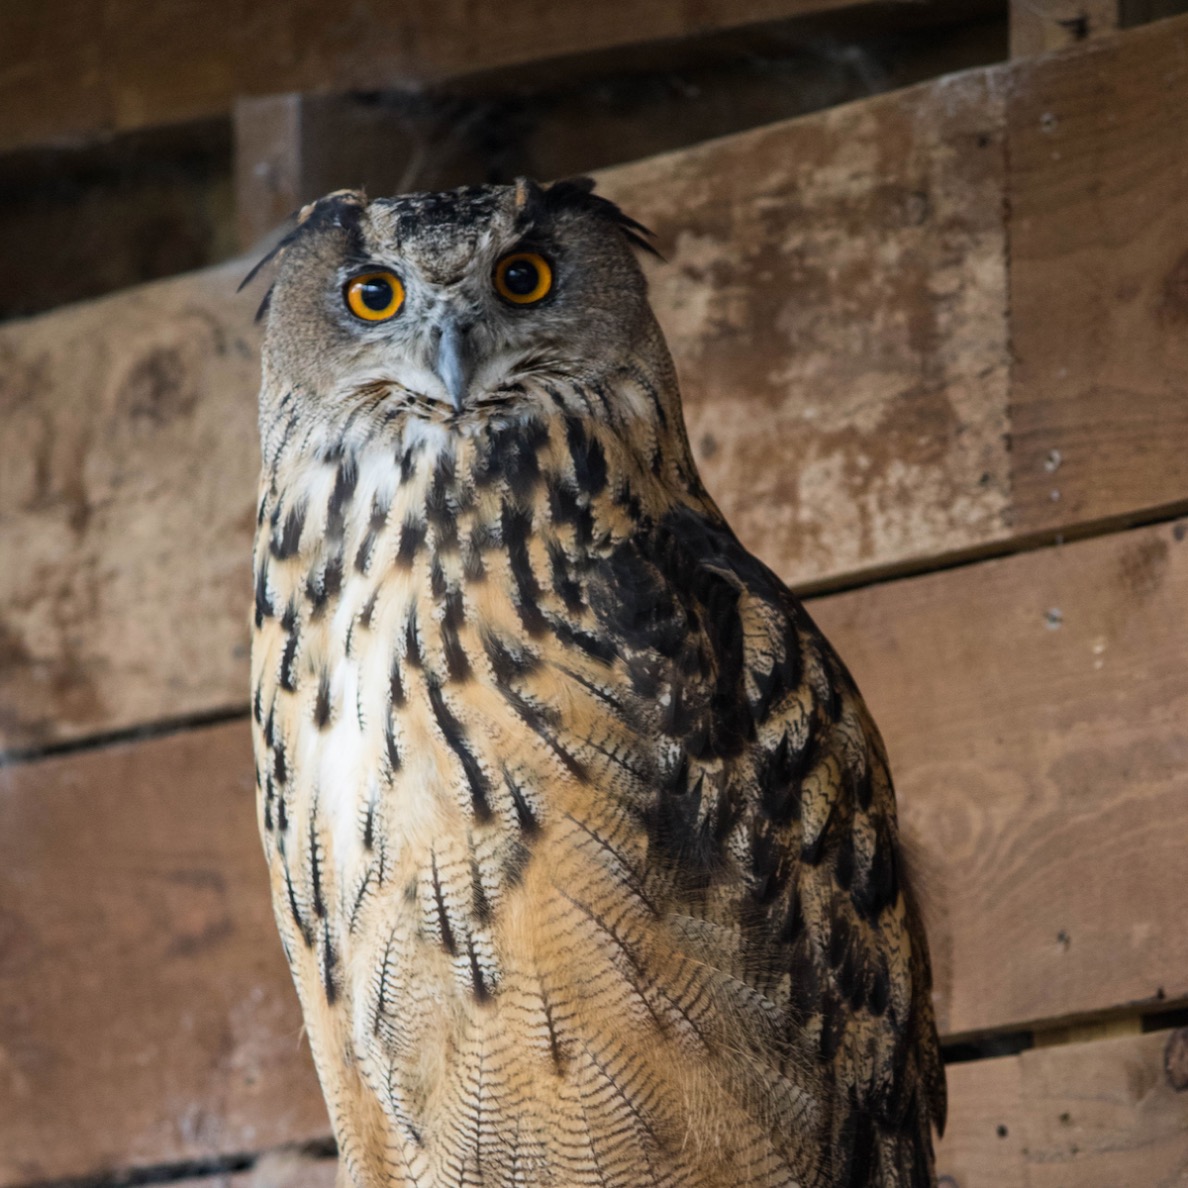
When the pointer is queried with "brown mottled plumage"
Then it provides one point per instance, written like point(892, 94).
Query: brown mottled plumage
point(582, 841)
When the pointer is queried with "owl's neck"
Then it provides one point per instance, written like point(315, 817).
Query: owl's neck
point(429, 532)
point(583, 456)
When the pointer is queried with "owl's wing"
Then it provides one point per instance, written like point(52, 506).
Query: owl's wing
point(778, 827)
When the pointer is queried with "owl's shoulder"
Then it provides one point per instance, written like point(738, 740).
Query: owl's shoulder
point(783, 792)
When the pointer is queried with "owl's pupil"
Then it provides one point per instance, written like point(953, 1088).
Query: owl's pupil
point(521, 278)
point(376, 294)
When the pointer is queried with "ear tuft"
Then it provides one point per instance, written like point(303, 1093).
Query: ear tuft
point(332, 207)
point(342, 209)
point(577, 193)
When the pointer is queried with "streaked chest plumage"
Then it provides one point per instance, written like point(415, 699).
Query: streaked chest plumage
point(455, 771)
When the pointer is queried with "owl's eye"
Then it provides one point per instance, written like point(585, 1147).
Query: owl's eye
point(523, 278)
point(375, 296)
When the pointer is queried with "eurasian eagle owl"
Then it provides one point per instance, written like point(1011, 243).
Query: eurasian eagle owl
point(582, 842)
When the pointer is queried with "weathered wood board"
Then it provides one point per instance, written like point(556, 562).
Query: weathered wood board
point(127, 462)
point(1033, 707)
point(835, 297)
point(1098, 193)
point(79, 223)
point(1039, 26)
point(543, 122)
point(148, 1014)
point(1043, 776)
point(1092, 1115)
point(132, 65)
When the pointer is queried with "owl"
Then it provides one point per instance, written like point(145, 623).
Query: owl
point(582, 842)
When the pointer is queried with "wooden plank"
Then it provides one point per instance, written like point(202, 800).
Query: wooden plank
point(1043, 775)
point(982, 1145)
point(151, 205)
point(292, 148)
point(1093, 1115)
point(1039, 26)
point(132, 66)
point(1033, 708)
point(842, 344)
point(142, 986)
point(1142, 12)
point(1099, 279)
point(127, 475)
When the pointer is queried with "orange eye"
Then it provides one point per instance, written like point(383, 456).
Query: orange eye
point(375, 296)
point(523, 278)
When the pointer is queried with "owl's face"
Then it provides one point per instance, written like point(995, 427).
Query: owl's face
point(444, 303)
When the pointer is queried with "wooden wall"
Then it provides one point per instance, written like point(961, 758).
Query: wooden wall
point(934, 347)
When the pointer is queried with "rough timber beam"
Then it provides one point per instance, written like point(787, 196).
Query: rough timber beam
point(76, 70)
point(544, 122)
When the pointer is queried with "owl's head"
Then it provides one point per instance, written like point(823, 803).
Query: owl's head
point(454, 308)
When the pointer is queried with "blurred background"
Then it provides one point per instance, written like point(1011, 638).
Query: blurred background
point(926, 282)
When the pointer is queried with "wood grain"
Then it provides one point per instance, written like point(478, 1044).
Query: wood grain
point(148, 1013)
point(127, 475)
point(1098, 195)
point(982, 1143)
point(132, 65)
point(1043, 775)
point(1033, 708)
point(841, 341)
point(1093, 1115)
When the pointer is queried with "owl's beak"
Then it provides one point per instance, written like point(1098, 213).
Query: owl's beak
point(454, 362)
